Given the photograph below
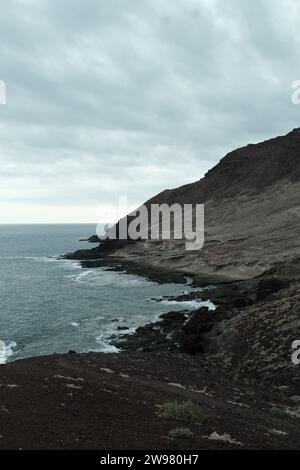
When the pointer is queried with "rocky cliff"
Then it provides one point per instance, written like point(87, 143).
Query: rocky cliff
point(252, 215)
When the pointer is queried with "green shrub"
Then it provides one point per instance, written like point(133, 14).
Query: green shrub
point(278, 412)
point(184, 410)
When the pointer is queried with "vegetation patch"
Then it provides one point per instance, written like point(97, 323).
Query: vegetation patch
point(182, 410)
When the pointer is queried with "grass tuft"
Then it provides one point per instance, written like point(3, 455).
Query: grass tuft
point(184, 411)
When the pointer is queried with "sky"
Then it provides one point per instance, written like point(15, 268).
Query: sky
point(126, 98)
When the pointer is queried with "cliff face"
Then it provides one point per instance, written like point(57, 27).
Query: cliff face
point(252, 215)
point(247, 170)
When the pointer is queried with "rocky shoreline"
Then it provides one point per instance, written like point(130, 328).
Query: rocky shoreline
point(184, 331)
point(188, 332)
point(228, 296)
point(102, 256)
point(210, 335)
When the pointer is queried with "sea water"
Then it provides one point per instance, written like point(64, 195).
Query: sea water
point(52, 305)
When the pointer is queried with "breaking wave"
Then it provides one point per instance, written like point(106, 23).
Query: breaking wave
point(6, 350)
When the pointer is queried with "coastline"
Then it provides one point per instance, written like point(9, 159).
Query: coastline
point(241, 305)
point(246, 403)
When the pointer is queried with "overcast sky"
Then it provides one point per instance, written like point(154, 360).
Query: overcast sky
point(130, 97)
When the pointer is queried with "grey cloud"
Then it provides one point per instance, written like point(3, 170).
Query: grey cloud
point(131, 97)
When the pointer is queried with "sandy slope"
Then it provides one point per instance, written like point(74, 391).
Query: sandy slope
point(244, 237)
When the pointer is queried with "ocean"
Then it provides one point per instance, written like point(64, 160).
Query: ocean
point(50, 305)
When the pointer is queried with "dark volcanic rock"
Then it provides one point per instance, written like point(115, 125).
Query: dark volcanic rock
point(158, 336)
point(235, 294)
point(92, 239)
point(171, 318)
point(268, 286)
point(104, 248)
point(200, 322)
point(189, 332)
point(175, 331)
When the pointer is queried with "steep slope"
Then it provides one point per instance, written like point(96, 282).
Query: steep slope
point(244, 171)
point(252, 215)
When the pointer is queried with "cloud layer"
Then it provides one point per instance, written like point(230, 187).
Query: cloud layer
point(130, 97)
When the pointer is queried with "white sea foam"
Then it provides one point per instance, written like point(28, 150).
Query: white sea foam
point(189, 280)
point(192, 304)
point(80, 277)
point(110, 329)
point(134, 322)
point(6, 350)
point(64, 262)
point(131, 323)
point(103, 277)
point(106, 348)
point(74, 264)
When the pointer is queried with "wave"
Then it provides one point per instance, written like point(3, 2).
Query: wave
point(44, 259)
point(105, 277)
point(192, 304)
point(106, 348)
point(6, 350)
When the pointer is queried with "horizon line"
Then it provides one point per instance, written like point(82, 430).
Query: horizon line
point(49, 223)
